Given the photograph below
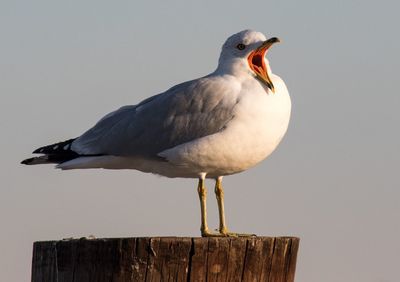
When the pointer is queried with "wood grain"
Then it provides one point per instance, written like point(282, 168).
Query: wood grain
point(166, 259)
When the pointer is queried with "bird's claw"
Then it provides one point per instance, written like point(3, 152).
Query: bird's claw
point(224, 233)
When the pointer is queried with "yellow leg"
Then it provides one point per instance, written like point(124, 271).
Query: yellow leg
point(219, 193)
point(201, 189)
point(223, 230)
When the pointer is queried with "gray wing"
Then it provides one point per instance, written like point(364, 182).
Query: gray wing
point(185, 112)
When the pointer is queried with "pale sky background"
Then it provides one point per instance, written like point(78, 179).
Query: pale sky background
point(334, 180)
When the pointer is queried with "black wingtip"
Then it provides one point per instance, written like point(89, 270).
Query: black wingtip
point(63, 147)
point(27, 161)
point(54, 153)
point(38, 151)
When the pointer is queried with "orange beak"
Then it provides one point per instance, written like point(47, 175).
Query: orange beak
point(257, 64)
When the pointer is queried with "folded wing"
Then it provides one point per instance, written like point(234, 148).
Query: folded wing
point(185, 112)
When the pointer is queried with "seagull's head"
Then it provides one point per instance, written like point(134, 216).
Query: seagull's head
point(245, 51)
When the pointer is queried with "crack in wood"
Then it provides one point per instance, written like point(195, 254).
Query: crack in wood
point(272, 258)
point(191, 254)
point(244, 260)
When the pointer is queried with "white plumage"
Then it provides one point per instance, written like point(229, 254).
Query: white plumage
point(253, 122)
point(220, 124)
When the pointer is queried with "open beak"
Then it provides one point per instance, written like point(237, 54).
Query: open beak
point(257, 64)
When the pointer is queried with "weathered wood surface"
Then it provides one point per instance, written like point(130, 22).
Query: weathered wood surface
point(166, 259)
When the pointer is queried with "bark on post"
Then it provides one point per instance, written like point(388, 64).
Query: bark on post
point(166, 259)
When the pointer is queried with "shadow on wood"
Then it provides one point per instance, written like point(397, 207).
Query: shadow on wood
point(166, 259)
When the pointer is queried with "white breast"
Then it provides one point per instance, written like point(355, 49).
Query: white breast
point(261, 120)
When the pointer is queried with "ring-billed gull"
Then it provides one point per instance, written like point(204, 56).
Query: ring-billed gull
point(217, 125)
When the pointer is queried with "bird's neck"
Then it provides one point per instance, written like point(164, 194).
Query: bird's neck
point(233, 67)
point(237, 68)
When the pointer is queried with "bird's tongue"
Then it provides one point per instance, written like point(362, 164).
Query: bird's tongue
point(256, 61)
point(257, 65)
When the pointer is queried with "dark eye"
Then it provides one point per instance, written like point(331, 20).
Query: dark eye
point(241, 46)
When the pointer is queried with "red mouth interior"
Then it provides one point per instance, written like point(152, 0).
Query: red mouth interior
point(256, 61)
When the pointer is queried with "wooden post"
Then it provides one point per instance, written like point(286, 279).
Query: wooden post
point(166, 259)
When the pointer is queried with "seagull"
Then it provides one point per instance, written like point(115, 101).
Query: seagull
point(220, 124)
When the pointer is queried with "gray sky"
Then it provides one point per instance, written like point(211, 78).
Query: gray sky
point(334, 180)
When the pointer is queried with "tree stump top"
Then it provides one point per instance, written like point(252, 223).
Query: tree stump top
point(166, 259)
